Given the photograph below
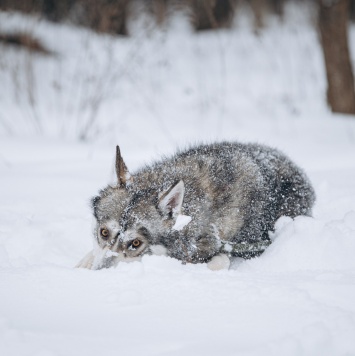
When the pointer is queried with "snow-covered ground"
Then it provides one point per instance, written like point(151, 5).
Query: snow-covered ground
point(152, 93)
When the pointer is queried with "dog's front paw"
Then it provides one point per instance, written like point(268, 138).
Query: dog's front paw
point(87, 261)
point(219, 262)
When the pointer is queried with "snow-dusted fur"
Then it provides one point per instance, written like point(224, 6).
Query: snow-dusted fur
point(231, 191)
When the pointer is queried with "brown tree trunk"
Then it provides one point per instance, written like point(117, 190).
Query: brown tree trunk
point(278, 7)
point(260, 9)
point(108, 16)
point(333, 24)
point(212, 14)
point(159, 9)
point(352, 10)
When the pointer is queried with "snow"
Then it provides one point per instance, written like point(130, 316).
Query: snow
point(181, 222)
point(158, 92)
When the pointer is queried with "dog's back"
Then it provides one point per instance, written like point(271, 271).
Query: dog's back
point(234, 190)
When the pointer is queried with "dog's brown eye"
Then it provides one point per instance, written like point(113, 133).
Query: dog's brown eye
point(136, 243)
point(104, 233)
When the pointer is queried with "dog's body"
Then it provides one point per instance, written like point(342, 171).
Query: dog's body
point(199, 199)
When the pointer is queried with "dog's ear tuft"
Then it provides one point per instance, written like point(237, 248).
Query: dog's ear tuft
point(170, 202)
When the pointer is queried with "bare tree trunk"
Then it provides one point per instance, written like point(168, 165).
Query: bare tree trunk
point(352, 10)
point(108, 16)
point(211, 14)
point(333, 24)
point(159, 9)
point(260, 8)
point(56, 10)
point(278, 7)
point(27, 6)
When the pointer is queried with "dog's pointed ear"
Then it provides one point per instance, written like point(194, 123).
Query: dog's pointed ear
point(123, 176)
point(170, 202)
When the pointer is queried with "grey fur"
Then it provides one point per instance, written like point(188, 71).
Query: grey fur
point(233, 192)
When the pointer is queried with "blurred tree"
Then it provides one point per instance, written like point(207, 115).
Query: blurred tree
point(263, 8)
point(277, 6)
point(333, 24)
point(352, 10)
point(56, 10)
point(108, 16)
point(260, 8)
point(159, 9)
point(211, 14)
point(20, 5)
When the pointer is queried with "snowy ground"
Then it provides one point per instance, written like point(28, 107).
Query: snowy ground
point(169, 89)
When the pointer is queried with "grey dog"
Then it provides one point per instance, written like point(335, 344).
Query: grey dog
point(198, 205)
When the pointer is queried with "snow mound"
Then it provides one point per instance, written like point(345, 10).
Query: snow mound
point(181, 222)
point(308, 244)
